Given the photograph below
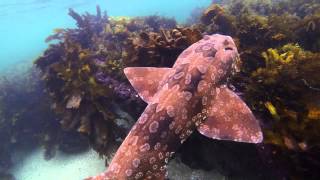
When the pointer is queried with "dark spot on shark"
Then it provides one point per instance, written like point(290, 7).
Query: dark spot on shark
point(207, 50)
point(173, 143)
point(163, 127)
point(177, 78)
point(211, 53)
point(197, 107)
point(196, 77)
point(226, 42)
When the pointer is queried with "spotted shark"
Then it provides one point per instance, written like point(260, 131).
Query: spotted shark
point(192, 95)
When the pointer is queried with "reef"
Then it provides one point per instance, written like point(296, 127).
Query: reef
point(82, 71)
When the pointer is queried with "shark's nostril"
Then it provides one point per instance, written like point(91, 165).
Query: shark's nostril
point(228, 48)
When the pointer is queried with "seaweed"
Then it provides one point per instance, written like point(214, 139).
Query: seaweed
point(83, 71)
point(278, 43)
point(288, 102)
point(279, 81)
point(292, 107)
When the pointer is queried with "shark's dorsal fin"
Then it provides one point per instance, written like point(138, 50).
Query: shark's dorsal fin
point(146, 80)
point(229, 118)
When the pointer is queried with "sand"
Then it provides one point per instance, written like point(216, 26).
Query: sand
point(61, 167)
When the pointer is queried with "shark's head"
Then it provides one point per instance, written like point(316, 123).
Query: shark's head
point(227, 52)
point(220, 49)
point(213, 52)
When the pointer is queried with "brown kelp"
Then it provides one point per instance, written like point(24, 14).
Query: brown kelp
point(76, 73)
point(83, 72)
point(286, 91)
point(278, 43)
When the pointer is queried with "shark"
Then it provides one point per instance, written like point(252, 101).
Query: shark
point(192, 95)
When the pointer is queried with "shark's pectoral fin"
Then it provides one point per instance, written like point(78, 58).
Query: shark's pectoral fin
point(229, 118)
point(145, 80)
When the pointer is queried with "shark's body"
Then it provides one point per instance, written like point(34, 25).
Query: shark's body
point(190, 95)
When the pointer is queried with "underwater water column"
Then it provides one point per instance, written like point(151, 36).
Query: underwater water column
point(25, 25)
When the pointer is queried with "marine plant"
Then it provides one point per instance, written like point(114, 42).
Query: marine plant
point(287, 92)
point(279, 46)
point(77, 73)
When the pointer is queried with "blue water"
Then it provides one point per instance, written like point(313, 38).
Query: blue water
point(24, 24)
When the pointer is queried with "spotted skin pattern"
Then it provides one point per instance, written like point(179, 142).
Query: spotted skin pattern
point(190, 95)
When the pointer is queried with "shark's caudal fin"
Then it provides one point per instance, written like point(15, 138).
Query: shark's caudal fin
point(145, 80)
point(229, 118)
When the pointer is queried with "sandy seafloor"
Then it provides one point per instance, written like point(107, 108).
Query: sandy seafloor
point(24, 25)
point(33, 166)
